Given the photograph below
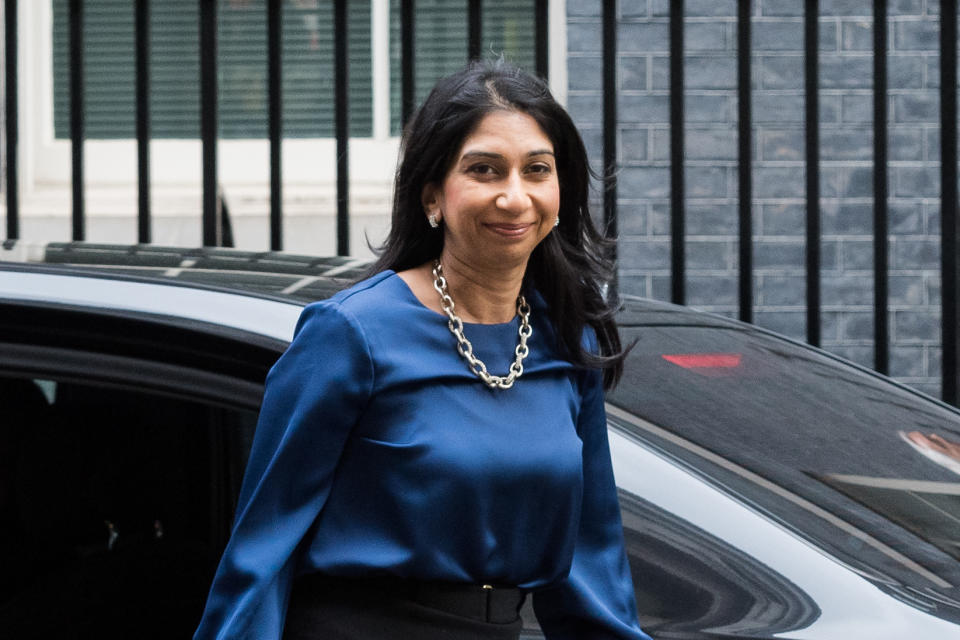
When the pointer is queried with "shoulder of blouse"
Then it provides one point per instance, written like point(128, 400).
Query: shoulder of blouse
point(335, 326)
point(359, 303)
point(361, 294)
point(361, 311)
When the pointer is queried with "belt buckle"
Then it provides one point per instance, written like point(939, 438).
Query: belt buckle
point(487, 592)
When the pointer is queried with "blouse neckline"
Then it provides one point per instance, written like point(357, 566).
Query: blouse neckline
point(412, 297)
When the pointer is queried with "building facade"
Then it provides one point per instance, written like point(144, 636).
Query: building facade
point(778, 170)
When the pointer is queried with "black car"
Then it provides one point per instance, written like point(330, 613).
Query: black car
point(768, 489)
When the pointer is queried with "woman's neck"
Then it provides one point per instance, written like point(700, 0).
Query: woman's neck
point(482, 295)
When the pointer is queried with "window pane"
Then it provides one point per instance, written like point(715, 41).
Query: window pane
point(440, 42)
point(308, 73)
point(114, 508)
point(242, 51)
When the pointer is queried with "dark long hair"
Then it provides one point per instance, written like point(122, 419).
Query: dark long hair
point(570, 266)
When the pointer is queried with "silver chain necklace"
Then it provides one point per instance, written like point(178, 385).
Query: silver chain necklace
point(466, 349)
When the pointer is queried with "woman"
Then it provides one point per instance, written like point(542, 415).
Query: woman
point(432, 446)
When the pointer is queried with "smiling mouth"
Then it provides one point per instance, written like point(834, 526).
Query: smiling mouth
point(509, 230)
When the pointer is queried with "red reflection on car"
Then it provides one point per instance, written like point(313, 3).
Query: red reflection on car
point(707, 364)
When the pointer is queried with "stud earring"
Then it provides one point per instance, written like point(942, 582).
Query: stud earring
point(556, 223)
point(433, 220)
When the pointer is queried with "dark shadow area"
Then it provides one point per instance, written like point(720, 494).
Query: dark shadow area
point(113, 509)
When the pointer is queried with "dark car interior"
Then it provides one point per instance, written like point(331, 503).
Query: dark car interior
point(113, 508)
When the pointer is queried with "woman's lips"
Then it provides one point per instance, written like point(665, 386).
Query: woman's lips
point(509, 230)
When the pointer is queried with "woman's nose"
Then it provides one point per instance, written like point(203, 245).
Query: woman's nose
point(514, 197)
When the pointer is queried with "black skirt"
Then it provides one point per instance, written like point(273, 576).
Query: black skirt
point(346, 609)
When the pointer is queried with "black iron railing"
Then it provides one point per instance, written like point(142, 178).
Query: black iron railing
point(950, 265)
point(881, 323)
point(141, 25)
point(208, 119)
point(811, 55)
point(610, 121)
point(76, 117)
point(215, 225)
point(745, 169)
point(275, 124)
point(678, 216)
point(11, 118)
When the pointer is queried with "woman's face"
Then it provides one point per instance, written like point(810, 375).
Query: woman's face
point(501, 196)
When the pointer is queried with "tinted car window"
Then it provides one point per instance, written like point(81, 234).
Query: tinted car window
point(833, 451)
point(114, 506)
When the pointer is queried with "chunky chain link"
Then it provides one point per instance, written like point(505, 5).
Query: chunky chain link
point(466, 349)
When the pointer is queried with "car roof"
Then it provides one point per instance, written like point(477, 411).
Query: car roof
point(292, 278)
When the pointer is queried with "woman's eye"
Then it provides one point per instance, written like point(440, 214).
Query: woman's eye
point(540, 168)
point(482, 169)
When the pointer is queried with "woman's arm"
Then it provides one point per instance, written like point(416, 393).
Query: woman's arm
point(596, 599)
point(314, 395)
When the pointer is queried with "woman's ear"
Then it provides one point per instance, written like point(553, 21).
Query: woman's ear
point(430, 198)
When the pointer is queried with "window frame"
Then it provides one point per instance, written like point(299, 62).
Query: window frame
point(176, 165)
point(176, 162)
point(154, 368)
point(143, 362)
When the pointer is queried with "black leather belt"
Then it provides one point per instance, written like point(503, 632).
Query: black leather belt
point(489, 603)
point(498, 604)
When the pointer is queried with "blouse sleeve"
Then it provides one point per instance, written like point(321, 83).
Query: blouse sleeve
point(596, 599)
point(313, 397)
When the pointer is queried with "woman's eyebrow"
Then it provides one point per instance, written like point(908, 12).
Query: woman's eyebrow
point(497, 156)
point(481, 154)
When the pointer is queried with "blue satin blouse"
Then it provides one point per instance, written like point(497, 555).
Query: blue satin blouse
point(378, 453)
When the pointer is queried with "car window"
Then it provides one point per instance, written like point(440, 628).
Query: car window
point(845, 458)
point(114, 507)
